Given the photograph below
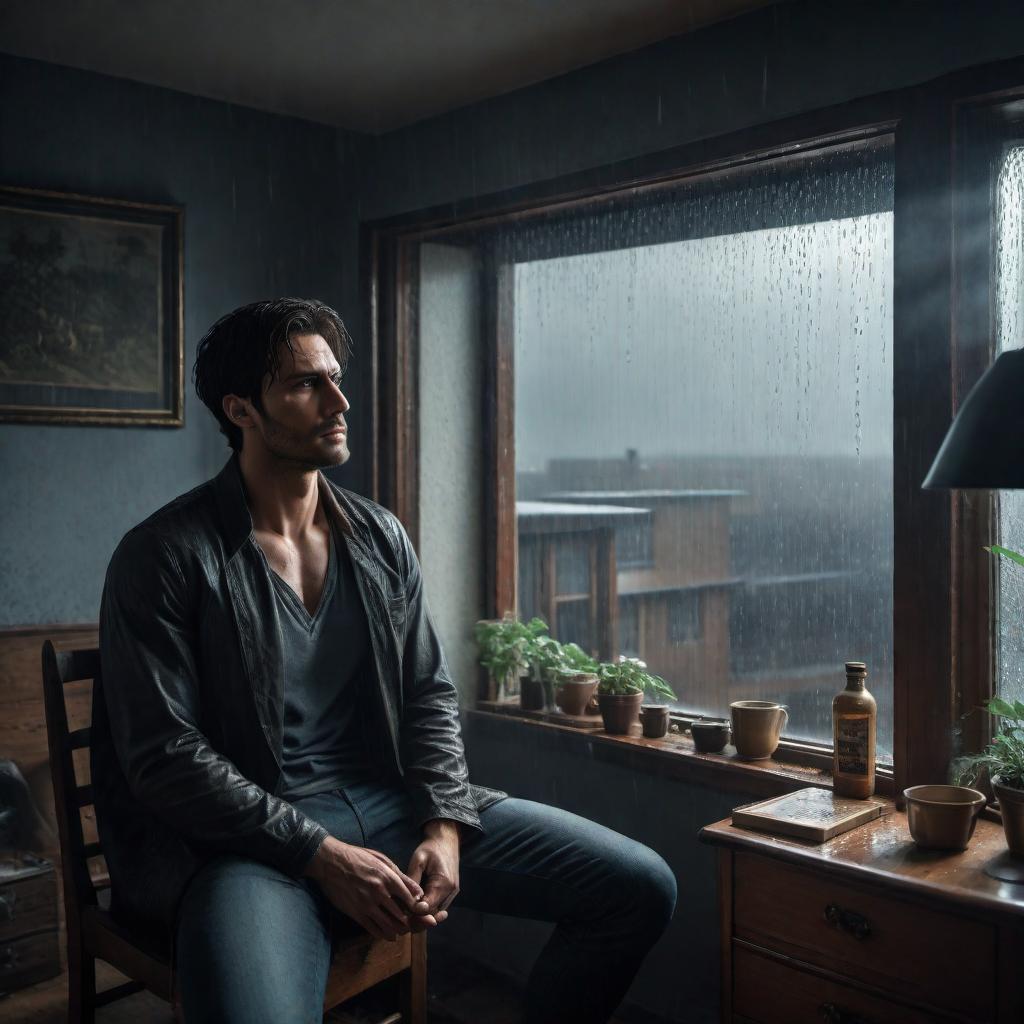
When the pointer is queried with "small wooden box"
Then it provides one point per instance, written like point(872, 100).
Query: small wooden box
point(29, 944)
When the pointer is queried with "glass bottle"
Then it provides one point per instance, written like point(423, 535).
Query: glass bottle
point(853, 733)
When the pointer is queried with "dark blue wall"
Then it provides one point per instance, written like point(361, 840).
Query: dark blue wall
point(265, 214)
point(763, 66)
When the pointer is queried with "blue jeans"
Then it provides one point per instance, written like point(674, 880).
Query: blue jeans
point(254, 945)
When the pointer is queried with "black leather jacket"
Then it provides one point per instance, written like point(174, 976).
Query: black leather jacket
point(187, 721)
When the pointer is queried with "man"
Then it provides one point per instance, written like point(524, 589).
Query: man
point(276, 737)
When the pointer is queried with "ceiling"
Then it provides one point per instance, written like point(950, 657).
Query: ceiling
point(365, 65)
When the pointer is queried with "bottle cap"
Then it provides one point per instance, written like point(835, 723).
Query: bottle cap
point(856, 668)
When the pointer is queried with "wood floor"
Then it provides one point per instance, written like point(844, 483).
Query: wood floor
point(459, 995)
point(46, 1003)
point(460, 992)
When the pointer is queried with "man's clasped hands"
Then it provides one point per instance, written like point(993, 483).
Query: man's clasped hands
point(370, 888)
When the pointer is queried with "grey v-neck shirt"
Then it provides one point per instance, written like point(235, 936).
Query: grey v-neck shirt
point(326, 668)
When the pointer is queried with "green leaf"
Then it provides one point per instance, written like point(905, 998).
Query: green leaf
point(1007, 553)
point(997, 706)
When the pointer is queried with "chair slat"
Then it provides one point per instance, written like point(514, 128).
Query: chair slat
point(109, 995)
point(83, 796)
point(92, 850)
point(78, 664)
point(79, 739)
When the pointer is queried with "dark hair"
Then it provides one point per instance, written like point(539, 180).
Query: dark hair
point(241, 348)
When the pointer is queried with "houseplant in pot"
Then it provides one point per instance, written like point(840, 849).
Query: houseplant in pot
point(503, 647)
point(574, 678)
point(621, 690)
point(1003, 760)
point(566, 673)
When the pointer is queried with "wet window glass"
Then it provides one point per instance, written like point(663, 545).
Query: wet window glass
point(1009, 290)
point(719, 363)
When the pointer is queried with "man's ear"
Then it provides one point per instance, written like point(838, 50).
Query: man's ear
point(238, 410)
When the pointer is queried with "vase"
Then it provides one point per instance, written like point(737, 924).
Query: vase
point(531, 694)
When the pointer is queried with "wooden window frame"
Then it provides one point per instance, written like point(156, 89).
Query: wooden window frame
point(939, 673)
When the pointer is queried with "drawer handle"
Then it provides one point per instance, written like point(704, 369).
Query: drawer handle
point(7, 901)
point(848, 921)
point(832, 1014)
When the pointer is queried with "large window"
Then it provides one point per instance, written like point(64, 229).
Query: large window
point(737, 387)
point(707, 386)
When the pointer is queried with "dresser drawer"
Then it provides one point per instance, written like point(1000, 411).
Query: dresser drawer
point(768, 992)
point(28, 905)
point(27, 960)
point(923, 956)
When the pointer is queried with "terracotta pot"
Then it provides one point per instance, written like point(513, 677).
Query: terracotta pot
point(573, 695)
point(1011, 806)
point(709, 737)
point(943, 817)
point(654, 720)
point(619, 711)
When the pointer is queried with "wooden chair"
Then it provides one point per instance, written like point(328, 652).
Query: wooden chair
point(93, 934)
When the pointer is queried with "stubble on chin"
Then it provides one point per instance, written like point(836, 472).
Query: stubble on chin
point(308, 455)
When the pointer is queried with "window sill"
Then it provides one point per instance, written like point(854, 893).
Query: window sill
point(673, 756)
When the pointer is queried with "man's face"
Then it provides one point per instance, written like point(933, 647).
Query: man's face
point(303, 418)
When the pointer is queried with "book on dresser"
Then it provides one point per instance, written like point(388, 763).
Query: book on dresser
point(811, 813)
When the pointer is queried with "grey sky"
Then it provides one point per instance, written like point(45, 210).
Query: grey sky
point(767, 342)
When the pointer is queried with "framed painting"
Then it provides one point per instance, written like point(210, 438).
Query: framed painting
point(91, 310)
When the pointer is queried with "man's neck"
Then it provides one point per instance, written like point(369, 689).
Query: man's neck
point(283, 497)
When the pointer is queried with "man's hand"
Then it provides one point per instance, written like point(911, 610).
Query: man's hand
point(435, 863)
point(368, 887)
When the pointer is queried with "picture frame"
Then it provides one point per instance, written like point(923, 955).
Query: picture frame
point(91, 305)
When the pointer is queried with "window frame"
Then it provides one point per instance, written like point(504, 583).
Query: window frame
point(939, 673)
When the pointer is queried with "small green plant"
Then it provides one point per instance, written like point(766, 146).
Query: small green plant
point(505, 646)
point(544, 654)
point(1004, 756)
point(552, 660)
point(630, 675)
point(576, 660)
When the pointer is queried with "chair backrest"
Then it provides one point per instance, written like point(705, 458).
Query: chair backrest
point(59, 669)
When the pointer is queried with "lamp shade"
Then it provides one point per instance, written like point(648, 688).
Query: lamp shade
point(984, 447)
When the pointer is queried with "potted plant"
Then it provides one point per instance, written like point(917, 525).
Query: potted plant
point(574, 679)
point(1003, 760)
point(544, 656)
point(621, 688)
point(503, 647)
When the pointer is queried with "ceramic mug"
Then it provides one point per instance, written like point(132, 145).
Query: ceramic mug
point(756, 727)
point(943, 817)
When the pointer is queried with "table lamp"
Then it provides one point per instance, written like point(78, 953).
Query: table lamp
point(984, 447)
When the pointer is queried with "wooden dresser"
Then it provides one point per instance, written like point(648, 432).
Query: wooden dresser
point(29, 950)
point(867, 929)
